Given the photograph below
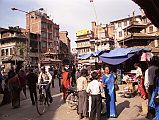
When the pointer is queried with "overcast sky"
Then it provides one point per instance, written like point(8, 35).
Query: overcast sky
point(71, 15)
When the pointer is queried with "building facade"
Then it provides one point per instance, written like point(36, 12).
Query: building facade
point(117, 27)
point(64, 49)
point(135, 31)
point(96, 39)
point(40, 23)
point(13, 43)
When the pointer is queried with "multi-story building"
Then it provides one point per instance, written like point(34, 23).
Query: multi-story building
point(117, 27)
point(63, 36)
point(83, 41)
point(135, 31)
point(94, 40)
point(75, 56)
point(101, 39)
point(40, 23)
point(64, 50)
point(13, 43)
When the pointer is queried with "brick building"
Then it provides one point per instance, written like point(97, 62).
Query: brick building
point(40, 23)
point(64, 47)
point(13, 45)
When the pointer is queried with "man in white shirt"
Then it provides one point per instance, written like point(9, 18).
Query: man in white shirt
point(46, 78)
point(94, 88)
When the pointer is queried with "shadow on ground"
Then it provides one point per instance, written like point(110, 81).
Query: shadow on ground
point(121, 106)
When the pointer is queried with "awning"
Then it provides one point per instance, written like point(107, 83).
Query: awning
point(119, 55)
point(151, 9)
point(12, 59)
point(93, 54)
point(121, 52)
point(116, 60)
point(85, 56)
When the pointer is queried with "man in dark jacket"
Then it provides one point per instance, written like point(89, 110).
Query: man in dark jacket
point(32, 79)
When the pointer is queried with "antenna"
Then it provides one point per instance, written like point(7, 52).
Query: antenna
point(91, 1)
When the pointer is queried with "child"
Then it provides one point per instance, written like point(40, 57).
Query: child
point(94, 89)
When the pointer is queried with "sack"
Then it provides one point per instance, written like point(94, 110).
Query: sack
point(156, 98)
point(116, 87)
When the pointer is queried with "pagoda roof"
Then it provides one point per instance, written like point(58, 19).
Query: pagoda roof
point(139, 36)
point(135, 27)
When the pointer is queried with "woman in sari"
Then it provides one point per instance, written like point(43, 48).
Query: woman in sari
point(155, 104)
point(15, 85)
point(65, 82)
point(108, 80)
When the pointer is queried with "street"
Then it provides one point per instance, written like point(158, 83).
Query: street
point(127, 109)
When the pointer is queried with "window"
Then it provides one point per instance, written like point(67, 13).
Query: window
point(151, 29)
point(43, 44)
point(120, 34)
point(2, 52)
point(119, 24)
point(125, 23)
point(44, 25)
point(11, 51)
point(6, 52)
point(49, 35)
point(145, 21)
point(44, 35)
point(113, 27)
point(49, 26)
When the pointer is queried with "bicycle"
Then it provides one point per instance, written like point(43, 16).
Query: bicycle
point(42, 99)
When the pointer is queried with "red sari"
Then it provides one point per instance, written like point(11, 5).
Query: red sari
point(65, 83)
point(142, 89)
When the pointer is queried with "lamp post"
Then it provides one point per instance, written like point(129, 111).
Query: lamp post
point(28, 42)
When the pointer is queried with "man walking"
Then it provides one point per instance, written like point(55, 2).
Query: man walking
point(32, 79)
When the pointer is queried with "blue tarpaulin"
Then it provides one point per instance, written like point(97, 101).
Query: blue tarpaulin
point(119, 55)
point(116, 60)
point(85, 56)
point(93, 54)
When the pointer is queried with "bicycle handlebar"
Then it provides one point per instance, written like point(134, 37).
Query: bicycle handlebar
point(42, 84)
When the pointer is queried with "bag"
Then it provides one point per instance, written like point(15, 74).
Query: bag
point(116, 87)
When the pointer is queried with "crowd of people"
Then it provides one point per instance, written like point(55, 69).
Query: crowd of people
point(90, 84)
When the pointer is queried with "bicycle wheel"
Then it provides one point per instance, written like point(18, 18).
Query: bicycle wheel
point(47, 101)
point(72, 101)
point(40, 104)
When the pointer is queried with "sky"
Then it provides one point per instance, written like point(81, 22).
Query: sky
point(71, 15)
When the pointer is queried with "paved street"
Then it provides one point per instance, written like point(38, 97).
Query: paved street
point(127, 108)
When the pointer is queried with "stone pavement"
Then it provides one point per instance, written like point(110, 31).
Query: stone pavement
point(127, 109)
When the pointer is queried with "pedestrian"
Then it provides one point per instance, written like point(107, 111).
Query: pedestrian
point(78, 74)
point(59, 72)
point(11, 72)
point(73, 75)
point(82, 94)
point(52, 72)
point(149, 83)
point(32, 79)
point(108, 80)
point(94, 89)
point(15, 86)
point(65, 82)
point(138, 72)
point(46, 78)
